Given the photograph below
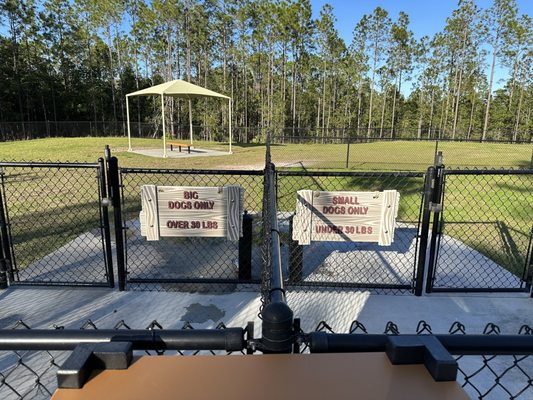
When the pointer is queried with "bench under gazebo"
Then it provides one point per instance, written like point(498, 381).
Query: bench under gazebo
point(181, 89)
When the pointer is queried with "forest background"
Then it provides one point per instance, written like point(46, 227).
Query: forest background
point(287, 72)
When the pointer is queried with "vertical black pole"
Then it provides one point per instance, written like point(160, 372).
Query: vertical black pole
point(105, 222)
point(424, 231)
point(296, 254)
point(437, 223)
point(6, 265)
point(528, 276)
point(245, 248)
point(348, 153)
point(277, 329)
point(114, 184)
point(4, 253)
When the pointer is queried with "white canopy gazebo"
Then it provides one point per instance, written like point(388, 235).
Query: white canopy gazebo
point(176, 88)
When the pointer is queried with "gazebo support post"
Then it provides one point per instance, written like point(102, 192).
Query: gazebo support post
point(229, 125)
point(164, 130)
point(190, 120)
point(128, 118)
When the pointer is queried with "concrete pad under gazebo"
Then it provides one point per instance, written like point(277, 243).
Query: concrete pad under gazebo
point(181, 89)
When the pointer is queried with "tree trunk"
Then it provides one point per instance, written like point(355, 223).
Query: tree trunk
point(371, 96)
point(382, 113)
point(431, 112)
point(489, 92)
point(111, 72)
point(517, 123)
point(393, 113)
point(359, 101)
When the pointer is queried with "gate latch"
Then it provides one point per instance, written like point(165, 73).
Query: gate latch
point(435, 207)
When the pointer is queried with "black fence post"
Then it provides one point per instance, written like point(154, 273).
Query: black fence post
point(114, 184)
point(529, 264)
point(296, 255)
point(105, 203)
point(7, 263)
point(278, 318)
point(245, 248)
point(436, 230)
point(424, 231)
point(5, 248)
point(348, 153)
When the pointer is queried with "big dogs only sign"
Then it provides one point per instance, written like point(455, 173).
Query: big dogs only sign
point(191, 211)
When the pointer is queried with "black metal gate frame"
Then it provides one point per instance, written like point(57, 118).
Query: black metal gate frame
point(122, 272)
point(436, 205)
point(8, 264)
point(417, 268)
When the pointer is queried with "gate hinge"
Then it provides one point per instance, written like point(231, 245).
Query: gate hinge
point(435, 207)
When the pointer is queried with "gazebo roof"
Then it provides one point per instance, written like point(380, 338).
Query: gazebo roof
point(178, 88)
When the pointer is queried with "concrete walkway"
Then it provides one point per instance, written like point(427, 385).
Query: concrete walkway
point(71, 307)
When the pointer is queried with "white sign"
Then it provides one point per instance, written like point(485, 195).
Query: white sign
point(191, 211)
point(346, 216)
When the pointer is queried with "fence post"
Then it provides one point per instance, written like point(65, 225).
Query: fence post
point(5, 249)
point(6, 265)
point(278, 318)
point(348, 153)
point(529, 264)
point(114, 185)
point(436, 230)
point(245, 248)
point(296, 254)
point(105, 221)
point(424, 231)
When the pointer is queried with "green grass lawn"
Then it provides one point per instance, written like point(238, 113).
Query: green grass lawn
point(498, 211)
point(401, 155)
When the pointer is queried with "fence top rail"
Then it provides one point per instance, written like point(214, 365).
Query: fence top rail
point(231, 339)
point(396, 139)
point(48, 164)
point(370, 174)
point(488, 171)
point(321, 342)
point(164, 171)
point(235, 339)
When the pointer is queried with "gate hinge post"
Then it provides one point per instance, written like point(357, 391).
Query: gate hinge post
point(435, 207)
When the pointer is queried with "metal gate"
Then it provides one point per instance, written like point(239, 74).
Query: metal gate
point(482, 233)
point(353, 264)
point(53, 224)
point(190, 263)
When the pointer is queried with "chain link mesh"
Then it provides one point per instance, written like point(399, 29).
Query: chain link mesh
point(482, 377)
point(32, 374)
point(54, 218)
point(315, 152)
point(171, 261)
point(485, 244)
point(343, 265)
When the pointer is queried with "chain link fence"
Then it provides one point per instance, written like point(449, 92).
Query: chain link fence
point(397, 154)
point(190, 263)
point(32, 374)
point(55, 221)
point(347, 264)
point(493, 377)
point(487, 244)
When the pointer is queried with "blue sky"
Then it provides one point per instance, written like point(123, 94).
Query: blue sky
point(426, 18)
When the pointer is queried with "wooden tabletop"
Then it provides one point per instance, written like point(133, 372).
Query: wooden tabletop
point(365, 376)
